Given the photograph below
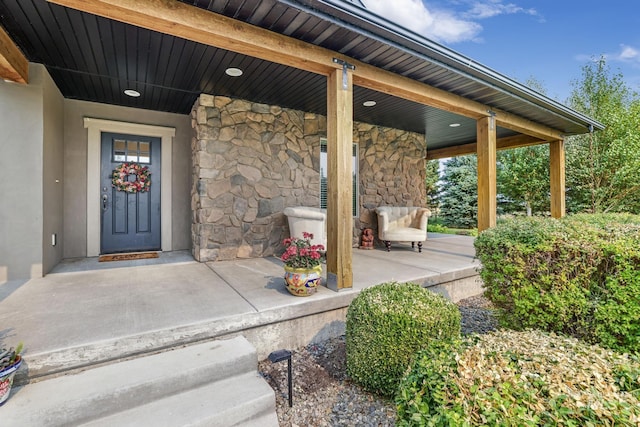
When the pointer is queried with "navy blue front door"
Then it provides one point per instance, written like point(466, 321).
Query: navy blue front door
point(130, 221)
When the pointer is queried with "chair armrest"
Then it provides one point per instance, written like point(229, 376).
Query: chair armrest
point(424, 215)
point(383, 221)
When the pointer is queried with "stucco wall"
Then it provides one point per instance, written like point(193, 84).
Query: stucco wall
point(21, 156)
point(75, 153)
point(252, 160)
point(53, 170)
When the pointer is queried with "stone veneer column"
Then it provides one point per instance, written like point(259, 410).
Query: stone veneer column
point(392, 171)
point(252, 160)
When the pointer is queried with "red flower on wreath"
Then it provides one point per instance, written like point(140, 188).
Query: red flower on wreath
point(120, 178)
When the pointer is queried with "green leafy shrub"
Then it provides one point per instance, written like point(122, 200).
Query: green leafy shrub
point(387, 324)
point(578, 276)
point(438, 228)
point(510, 378)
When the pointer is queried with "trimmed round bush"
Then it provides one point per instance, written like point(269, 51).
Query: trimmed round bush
point(510, 378)
point(387, 324)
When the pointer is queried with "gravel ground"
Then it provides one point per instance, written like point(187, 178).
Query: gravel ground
point(322, 394)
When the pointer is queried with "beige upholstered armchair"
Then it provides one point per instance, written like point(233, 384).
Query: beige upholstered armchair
point(305, 219)
point(402, 224)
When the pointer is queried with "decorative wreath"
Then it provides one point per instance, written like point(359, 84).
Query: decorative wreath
point(119, 178)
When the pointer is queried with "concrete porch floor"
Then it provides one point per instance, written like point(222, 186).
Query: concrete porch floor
point(85, 312)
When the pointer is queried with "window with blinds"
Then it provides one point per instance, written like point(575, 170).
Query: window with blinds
point(323, 176)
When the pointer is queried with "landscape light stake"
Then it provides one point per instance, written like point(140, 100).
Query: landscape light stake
point(279, 356)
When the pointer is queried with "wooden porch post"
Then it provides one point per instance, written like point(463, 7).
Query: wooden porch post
point(557, 178)
point(339, 179)
point(13, 64)
point(486, 152)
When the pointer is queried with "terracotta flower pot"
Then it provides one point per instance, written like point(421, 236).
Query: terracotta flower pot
point(302, 282)
point(6, 379)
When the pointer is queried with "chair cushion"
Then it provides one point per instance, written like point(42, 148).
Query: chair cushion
point(405, 234)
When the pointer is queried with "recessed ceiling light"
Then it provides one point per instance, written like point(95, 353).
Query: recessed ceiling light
point(454, 125)
point(233, 72)
point(369, 103)
point(132, 92)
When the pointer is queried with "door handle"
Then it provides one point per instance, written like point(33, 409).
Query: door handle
point(104, 202)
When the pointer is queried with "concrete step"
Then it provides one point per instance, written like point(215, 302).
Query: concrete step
point(243, 400)
point(133, 384)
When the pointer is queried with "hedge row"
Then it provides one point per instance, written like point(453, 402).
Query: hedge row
point(578, 276)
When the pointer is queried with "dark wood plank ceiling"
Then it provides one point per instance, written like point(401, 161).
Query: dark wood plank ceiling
point(96, 59)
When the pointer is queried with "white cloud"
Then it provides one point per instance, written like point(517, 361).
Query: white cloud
point(436, 24)
point(491, 8)
point(626, 54)
point(444, 24)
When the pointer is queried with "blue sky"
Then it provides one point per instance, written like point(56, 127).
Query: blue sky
point(549, 41)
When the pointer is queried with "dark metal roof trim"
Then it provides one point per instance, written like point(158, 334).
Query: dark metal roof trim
point(373, 26)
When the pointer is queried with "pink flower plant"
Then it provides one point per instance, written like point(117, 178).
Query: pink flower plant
point(300, 253)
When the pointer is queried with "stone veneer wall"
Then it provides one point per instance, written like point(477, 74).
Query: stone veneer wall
point(392, 171)
point(252, 160)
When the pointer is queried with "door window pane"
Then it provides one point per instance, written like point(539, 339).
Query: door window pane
point(119, 150)
point(131, 151)
point(145, 154)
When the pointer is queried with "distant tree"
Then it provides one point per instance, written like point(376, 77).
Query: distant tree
point(523, 179)
point(431, 183)
point(523, 174)
point(536, 85)
point(603, 168)
point(459, 192)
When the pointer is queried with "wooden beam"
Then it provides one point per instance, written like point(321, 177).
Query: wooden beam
point(339, 180)
point(505, 143)
point(527, 127)
point(455, 151)
point(517, 141)
point(199, 25)
point(13, 64)
point(212, 29)
point(404, 87)
point(487, 176)
point(557, 178)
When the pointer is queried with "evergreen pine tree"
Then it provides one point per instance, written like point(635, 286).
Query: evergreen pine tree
point(432, 184)
point(459, 193)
